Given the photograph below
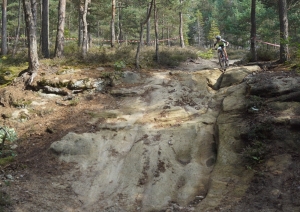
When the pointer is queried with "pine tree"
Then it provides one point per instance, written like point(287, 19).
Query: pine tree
point(200, 24)
point(214, 31)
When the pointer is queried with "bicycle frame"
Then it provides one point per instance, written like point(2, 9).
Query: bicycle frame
point(222, 59)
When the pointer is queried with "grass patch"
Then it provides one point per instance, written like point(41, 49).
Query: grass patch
point(4, 200)
point(45, 112)
point(120, 57)
point(236, 54)
point(256, 147)
point(6, 160)
point(74, 102)
point(10, 68)
point(263, 54)
point(206, 54)
point(103, 114)
point(21, 103)
point(174, 56)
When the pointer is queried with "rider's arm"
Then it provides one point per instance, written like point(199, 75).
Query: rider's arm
point(225, 42)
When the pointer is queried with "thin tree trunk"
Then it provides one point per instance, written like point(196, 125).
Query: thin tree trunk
point(45, 28)
point(181, 28)
point(163, 30)
point(59, 45)
point(137, 56)
point(85, 30)
point(253, 32)
point(30, 18)
point(18, 31)
point(112, 24)
point(4, 28)
point(168, 36)
point(283, 19)
point(199, 32)
point(156, 32)
point(148, 28)
point(120, 23)
point(80, 25)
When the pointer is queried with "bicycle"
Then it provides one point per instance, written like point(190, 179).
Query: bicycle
point(222, 60)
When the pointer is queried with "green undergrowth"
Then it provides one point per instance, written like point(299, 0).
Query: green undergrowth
point(7, 155)
point(235, 54)
point(206, 54)
point(106, 56)
point(295, 58)
point(105, 115)
point(119, 57)
point(6, 160)
point(256, 143)
point(10, 68)
point(5, 200)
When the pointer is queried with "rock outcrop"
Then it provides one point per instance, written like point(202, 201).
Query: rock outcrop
point(174, 144)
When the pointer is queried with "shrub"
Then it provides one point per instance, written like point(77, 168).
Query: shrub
point(207, 54)
point(8, 134)
point(119, 65)
point(235, 54)
point(125, 53)
point(264, 54)
point(256, 143)
point(255, 152)
point(173, 56)
point(70, 48)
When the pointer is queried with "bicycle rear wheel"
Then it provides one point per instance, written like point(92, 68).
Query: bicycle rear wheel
point(222, 61)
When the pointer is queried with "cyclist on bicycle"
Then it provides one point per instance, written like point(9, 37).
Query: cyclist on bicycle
point(222, 43)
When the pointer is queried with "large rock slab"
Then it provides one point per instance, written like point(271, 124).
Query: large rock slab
point(172, 145)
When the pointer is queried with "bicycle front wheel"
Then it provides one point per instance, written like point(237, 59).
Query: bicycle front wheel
point(222, 61)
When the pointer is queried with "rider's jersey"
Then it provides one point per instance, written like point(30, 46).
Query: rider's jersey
point(221, 43)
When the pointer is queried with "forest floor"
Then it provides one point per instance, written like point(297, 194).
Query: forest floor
point(50, 121)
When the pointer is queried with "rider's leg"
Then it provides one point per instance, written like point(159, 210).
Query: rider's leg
point(225, 53)
point(220, 49)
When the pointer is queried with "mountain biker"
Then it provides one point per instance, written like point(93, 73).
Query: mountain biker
point(222, 43)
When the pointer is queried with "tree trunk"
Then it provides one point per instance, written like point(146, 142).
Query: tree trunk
point(59, 45)
point(253, 32)
point(148, 28)
point(84, 48)
point(283, 19)
point(4, 28)
point(137, 56)
point(163, 29)
point(18, 31)
point(120, 24)
point(156, 32)
point(181, 28)
point(30, 19)
point(199, 32)
point(112, 24)
point(45, 28)
point(168, 36)
point(80, 30)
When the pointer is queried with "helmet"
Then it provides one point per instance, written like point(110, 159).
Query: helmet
point(218, 37)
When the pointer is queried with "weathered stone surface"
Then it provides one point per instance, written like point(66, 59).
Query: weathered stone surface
point(275, 86)
point(131, 77)
point(236, 100)
point(174, 138)
point(237, 75)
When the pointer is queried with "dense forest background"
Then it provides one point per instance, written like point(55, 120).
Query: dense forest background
point(98, 23)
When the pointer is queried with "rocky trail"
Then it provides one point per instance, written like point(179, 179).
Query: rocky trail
point(154, 140)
